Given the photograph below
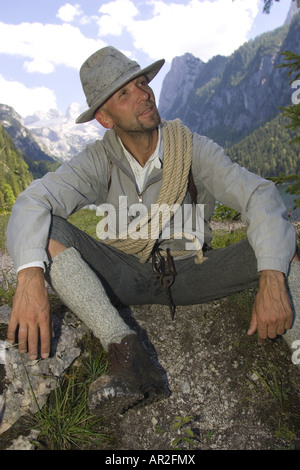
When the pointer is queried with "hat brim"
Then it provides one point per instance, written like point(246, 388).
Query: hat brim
point(151, 71)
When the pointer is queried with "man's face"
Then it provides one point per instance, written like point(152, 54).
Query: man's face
point(131, 109)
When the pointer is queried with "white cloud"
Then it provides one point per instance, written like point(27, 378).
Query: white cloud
point(204, 28)
point(44, 46)
point(157, 28)
point(115, 16)
point(25, 100)
point(68, 12)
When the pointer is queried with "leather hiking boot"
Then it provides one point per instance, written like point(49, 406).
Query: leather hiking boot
point(132, 380)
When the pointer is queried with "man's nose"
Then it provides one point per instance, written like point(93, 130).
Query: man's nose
point(142, 93)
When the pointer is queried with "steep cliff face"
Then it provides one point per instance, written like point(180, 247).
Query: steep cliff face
point(182, 76)
point(227, 97)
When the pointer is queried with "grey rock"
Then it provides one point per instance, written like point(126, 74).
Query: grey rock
point(28, 383)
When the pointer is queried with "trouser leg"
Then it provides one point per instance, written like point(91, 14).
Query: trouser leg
point(224, 272)
point(81, 290)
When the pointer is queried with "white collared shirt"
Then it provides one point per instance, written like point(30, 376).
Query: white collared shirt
point(140, 172)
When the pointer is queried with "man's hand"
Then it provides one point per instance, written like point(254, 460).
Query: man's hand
point(271, 313)
point(31, 313)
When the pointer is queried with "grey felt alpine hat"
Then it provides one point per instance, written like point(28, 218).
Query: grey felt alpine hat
point(104, 72)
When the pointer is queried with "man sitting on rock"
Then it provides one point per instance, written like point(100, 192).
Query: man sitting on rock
point(143, 169)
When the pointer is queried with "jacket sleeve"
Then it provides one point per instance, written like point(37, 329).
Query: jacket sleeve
point(271, 235)
point(80, 182)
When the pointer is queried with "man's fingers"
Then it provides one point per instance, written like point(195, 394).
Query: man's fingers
point(22, 334)
point(33, 339)
point(45, 335)
point(22, 338)
point(271, 306)
point(253, 323)
point(11, 331)
point(29, 334)
point(289, 314)
point(262, 333)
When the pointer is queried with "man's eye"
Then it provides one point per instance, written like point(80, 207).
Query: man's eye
point(123, 93)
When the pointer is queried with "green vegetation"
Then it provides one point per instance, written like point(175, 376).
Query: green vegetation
point(8, 286)
point(86, 220)
point(4, 216)
point(64, 422)
point(268, 151)
point(228, 237)
point(188, 438)
point(14, 172)
point(39, 168)
point(292, 113)
point(17, 170)
point(268, 4)
point(273, 149)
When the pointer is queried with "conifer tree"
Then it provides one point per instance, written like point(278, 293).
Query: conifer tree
point(292, 61)
point(268, 4)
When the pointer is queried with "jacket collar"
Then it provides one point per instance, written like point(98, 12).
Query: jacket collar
point(116, 155)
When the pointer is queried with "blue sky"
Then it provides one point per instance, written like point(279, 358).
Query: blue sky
point(44, 42)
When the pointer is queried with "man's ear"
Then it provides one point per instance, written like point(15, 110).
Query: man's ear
point(104, 119)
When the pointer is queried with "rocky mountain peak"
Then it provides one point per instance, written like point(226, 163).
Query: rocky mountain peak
point(181, 77)
point(21, 135)
point(292, 11)
point(228, 97)
point(59, 133)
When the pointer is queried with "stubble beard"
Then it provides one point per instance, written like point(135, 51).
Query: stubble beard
point(152, 125)
point(139, 126)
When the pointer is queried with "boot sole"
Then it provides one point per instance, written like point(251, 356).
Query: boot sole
point(153, 395)
point(112, 401)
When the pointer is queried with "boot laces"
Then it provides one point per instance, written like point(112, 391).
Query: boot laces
point(119, 356)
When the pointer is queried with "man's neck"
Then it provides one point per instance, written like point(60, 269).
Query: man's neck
point(140, 145)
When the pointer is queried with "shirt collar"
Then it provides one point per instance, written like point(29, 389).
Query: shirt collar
point(157, 154)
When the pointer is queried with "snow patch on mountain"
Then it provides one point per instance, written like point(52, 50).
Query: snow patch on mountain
point(59, 133)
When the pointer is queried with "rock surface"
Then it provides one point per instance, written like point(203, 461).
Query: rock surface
point(218, 379)
point(24, 380)
point(226, 391)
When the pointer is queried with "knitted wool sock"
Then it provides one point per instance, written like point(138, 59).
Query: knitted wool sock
point(293, 281)
point(81, 291)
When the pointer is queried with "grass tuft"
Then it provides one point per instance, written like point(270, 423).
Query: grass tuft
point(65, 423)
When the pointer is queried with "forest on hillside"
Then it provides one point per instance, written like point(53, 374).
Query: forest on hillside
point(17, 170)
point(14, 173)
point(268, 151)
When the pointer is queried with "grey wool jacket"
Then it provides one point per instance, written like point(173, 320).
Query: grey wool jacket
point(101, 173)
